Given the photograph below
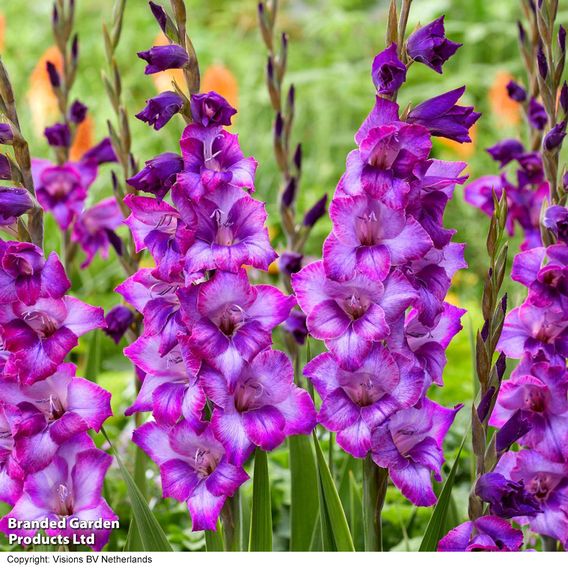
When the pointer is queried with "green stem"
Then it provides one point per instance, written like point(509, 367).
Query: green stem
point(549, 544)
point(232, 516)
point(375, 480)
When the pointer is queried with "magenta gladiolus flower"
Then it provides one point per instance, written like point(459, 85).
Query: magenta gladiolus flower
point(25, 275)
point(259, 407)
point(410, 446)
point(94, 229)
point(212, 160)
point(486, 534)
point(11, 473)
point(39, 336)
point(355, 403)
point(69, 487)
point(230, 321)
point(350, 315)
point(194, 468)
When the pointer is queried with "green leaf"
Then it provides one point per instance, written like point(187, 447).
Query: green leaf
point(437, 524)
point(261, 515)
point(133, 540)
point(305, 502)
point(332, 511)
point(93, 363)
point(152, 537)
point(214, 540)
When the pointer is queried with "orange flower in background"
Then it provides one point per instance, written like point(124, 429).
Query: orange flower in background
point(218, 78)
point(2, 31)
point(506, 111)
point(463, 151)
point(83, 139)
point(41, 98)
point(163, 80)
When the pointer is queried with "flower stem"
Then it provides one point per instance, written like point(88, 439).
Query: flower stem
point(232, 516)
point(375, 481)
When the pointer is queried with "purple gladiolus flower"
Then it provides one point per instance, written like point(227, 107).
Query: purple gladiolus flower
point(63, 189)
point(356, 402)
point(194, 468)
point(229, 232)
point(11, 473)
point(102, 153)
point(212, 160)
point(369, 237)
point(516, 92)
point(537, 114)
point(163, 57)
point(507, 498)
point(170, 388)
point(388, 72)
point(78, 112)
point(69, 487)
point(486, 534)
point(158, 174)
point(556, 220)
point(430, 46)
point(25, 275)
point(39, 336)
point(160, 109)
point(547, 481)
point(443, 117)
point(350, 315)
point(506, 151)
point(230, 321)
point(118, 320)
point(410, 446)
point(14, 202)
point(58, 135)
point(54, 410)
point(259, 407)
point(211, 109)
point(94, 229)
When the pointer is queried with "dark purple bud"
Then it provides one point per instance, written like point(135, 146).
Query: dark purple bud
point(284, 41)
point(564, 97)
point(55, 15)
point(565, 181)
point(501, 365)
point(115, 241)
point(506, 151)
point(160, 15)
point(443, 117)
point(291, 96)
point(485, 404)
point(75, 49)
point(160, 109)
point(298, 157)
point(102, 153)
point(531, 171)
point(516, 92)
point(562, 38)
point(163, 57)
point(118, 321)
point(58, 135)
point(388, 72)
point(289, 193)
point(485, 331)
point(430, 46)
point(507, 499)
point(53, 75)
point(270, 69)
point(555, 136)
point(290, 262)
point(77, 112)
point(5, 167)
point(211, 109)
point(278, 126)
point(516, 427)
point(6, 134)
point(522, 33)
point(541, 61)
point(316, 212)
point(556, 221)
point(158, 174)
point(14, 201)
point(537, 114)
point(296, 326)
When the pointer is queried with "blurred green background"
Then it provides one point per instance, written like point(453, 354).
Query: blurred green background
point(332, 43)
